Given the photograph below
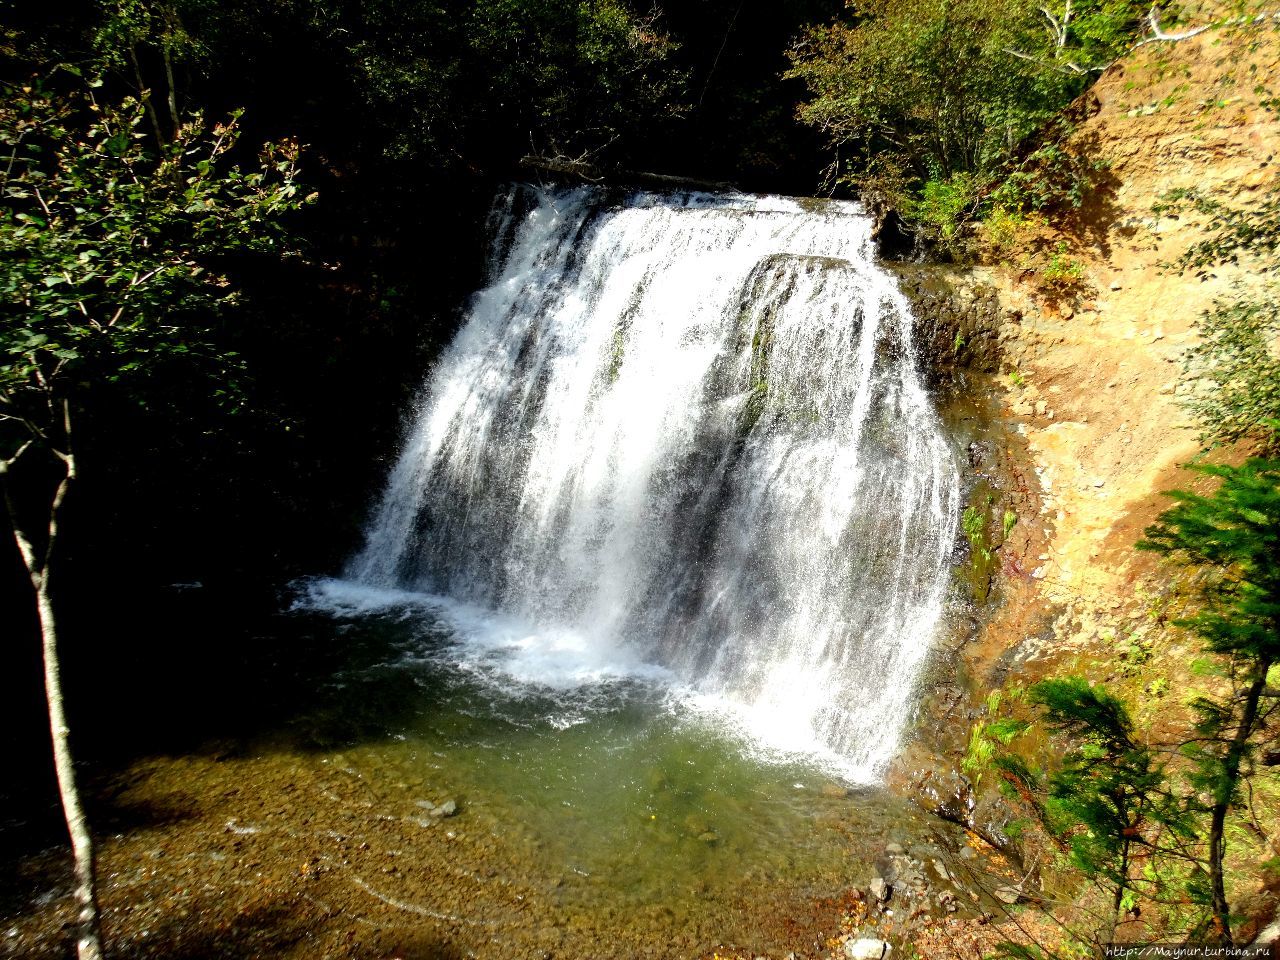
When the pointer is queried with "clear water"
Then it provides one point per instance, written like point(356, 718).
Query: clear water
point(616, 812)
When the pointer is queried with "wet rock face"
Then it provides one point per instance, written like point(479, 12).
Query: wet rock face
point(894, 240)
point(913, 884)
point(917, 886)
point(958, 319)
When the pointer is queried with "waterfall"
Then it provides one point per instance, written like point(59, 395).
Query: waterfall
point(690, 427)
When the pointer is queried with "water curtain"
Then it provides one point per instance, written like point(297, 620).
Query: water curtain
point(690, 425)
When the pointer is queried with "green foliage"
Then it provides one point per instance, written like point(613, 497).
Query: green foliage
point(943, 207)
point(1106, 803)
point(974, 523)
point(926, 80)
point(1236, 532)
point(112, 259)
point(1049, 178)
point(453, 84)
point(1063, 274)
point(1234, 370)
point(1002, 226)
point(914, 94)
point(563, 78)
point(986, 738)
point(1133, 652)
point(1233, 373)
point(1108, 788)
point(1236, 235)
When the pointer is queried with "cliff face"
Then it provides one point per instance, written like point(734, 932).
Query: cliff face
point(1099, 407)
point(1087, 406)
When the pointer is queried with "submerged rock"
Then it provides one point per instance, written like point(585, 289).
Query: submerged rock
point(446, 809)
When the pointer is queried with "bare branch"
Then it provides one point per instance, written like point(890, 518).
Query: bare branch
point(6, 465)
point(1158, 35)
point(1068, 67)
point(43, 206)
point(1057, 30)
point(25, 547)
point(55, 508)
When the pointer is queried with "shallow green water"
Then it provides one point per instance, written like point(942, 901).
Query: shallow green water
point(608, 799)
point(605, 818)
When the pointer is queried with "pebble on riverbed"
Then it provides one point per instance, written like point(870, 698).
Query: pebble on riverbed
point(880, 890)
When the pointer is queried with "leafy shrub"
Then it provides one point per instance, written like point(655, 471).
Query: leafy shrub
point(914, 93)
point(1063, 274)
point(1235, 368)
point(1233, 374)
point(944, 207)
point(1003, 226)
point(1050, 178)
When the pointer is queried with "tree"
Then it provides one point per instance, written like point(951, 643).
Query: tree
point(1236, 532)
point(476, 84)
point(928, 103)
point(1105, 804)
point(132, 28)
point(1233, 373)
point(919, 85)
point(113, 266)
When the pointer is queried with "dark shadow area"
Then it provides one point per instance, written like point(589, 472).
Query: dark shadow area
point(31, 881)
point(116, 816)
point(1099, 213)
point(209, 669)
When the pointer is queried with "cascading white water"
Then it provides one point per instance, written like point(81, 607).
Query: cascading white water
point(689, 427)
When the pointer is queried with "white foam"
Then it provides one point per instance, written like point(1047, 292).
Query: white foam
point(493, 646)
point(515, 659)
point(686, 432)
point(778, 734)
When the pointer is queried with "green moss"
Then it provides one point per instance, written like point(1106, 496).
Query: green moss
point(618, 352)
point(976, 524)
point(753, 408)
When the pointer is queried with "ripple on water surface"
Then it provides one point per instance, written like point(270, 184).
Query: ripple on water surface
point(612, 798)
point(594, 814)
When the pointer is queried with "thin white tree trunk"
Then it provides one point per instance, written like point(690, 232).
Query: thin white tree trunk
point(88, 922)
point(88, 925)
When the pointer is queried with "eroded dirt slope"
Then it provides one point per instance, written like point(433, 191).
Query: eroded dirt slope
point(1092, 377)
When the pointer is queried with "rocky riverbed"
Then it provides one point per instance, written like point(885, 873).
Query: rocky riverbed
point(357, 854)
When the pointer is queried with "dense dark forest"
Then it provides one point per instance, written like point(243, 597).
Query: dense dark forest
point(410, 116)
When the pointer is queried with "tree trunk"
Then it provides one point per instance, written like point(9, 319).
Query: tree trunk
point(1217, 853)
point(1231, 763)
point(145, 95)
point(88, 923)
